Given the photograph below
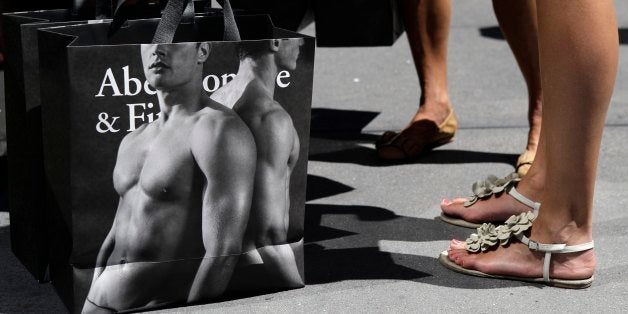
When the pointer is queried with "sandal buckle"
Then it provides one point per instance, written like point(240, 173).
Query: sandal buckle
point(533, 245)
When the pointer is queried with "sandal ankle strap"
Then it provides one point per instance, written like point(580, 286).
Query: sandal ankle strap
point(524, 200)
point(552, 248)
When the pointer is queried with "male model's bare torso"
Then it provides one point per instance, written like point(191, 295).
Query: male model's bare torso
point(257, 109)
point(277, 143)
point(158, 229)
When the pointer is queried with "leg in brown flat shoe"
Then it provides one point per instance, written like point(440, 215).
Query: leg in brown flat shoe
point(427, 26)
point(518, 22)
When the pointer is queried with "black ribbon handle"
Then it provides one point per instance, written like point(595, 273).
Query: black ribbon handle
point(126, 9)
point(175, 13)
point(172, 17)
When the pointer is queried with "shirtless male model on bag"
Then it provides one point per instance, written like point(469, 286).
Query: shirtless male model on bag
point(251, 95)
point(185, 183)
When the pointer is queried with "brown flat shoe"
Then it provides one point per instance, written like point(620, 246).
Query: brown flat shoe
point(419, 137)
point(385, 138)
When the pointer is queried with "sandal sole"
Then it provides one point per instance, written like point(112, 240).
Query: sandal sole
point(443, 258)
point(458, 221)
point(426, 149)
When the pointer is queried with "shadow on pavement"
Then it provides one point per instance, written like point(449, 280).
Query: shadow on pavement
point(342, 242)
point(623, 36)
point(326, 120)
point(341, 125)
point(366, 156)
point(19, 291)
point(336, 136)
point(492, 32)
point(321, 187)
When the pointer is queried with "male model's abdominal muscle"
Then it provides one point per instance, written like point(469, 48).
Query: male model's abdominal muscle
point(149, 230)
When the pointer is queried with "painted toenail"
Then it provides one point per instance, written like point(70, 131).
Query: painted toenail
point(445, 202)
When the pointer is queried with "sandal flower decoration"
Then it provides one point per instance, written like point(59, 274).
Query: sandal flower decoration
point(491, 185)
point(489, 235)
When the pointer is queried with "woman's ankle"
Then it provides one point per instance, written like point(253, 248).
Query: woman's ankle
point(548, 228)
point(532, 185)
point(436, 110)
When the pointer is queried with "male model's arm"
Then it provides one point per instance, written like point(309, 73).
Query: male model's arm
point(275, 137)
point(277, 144)
point(224, 150)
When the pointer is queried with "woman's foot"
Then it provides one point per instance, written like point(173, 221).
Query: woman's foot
point(433, 125)
point(497, 207)
point(436, 111)
point(518, 260)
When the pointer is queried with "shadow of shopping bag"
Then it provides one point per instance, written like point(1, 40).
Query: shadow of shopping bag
point(160, 195)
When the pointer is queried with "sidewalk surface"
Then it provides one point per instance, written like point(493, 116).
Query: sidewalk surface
point(372, 239)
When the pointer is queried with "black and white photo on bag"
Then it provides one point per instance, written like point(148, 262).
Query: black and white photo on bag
point(185, 184)
point(204, 189)
point(264, 66)
point(165, 192)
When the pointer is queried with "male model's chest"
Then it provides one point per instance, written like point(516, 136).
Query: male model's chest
point(162, 167)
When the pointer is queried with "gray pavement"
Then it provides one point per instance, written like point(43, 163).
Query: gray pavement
point(372, 239)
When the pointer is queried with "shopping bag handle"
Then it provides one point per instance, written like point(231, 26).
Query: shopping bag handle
point(123, 9)
point(173, 13)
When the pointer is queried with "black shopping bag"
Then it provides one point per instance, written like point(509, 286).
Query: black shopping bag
point(168, 196)
point(26, 175)
point(355, 23)
point(27, 190)
point(288, 14)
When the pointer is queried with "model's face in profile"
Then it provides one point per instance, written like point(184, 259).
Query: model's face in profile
point(288, 52)
point(167, 66)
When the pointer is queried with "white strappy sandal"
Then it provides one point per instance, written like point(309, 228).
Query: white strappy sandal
point(485, 189)
point(489, 235)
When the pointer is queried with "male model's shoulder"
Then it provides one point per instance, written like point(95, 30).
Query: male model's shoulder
point(137, 135)
point(274, 119)
point(220, 134)
point(217, 120)
point(220, 125)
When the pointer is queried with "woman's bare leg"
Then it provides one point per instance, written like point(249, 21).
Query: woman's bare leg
point(427, 27)
point(518, 22)
point(578, 57)
point(501, 207)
